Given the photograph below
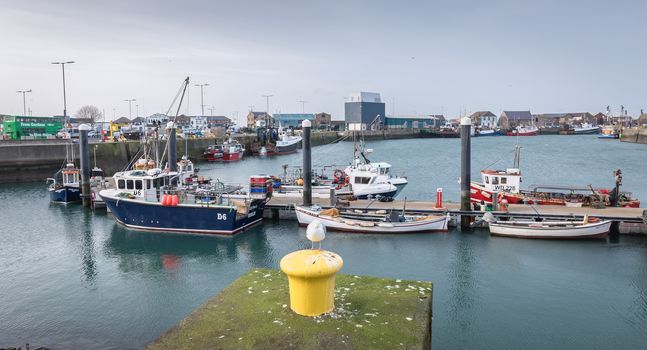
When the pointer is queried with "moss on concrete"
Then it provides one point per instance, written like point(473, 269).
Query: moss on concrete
point(254, 313)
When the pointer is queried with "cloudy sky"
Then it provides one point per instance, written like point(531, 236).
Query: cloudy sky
point(424, 57)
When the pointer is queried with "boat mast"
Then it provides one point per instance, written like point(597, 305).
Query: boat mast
point(517, 156)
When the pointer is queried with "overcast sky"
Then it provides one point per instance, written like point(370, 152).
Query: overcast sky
point(424, 57)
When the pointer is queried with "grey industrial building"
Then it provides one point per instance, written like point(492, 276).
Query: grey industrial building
point(364, 110)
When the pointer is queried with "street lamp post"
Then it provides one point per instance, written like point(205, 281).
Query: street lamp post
point(64, 97)
point(24, 104)
point(202, 96)
point(303, 106)
point(130, 111)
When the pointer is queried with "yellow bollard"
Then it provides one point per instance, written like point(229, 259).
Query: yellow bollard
point(311, 277)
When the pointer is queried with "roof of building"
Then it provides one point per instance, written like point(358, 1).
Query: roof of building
point(122, 120)
point(418, 117)
point(140, 120)
point(293, 116)
point(213, 118)
point(549, 115)
point(479, 114)
point(258, 114)
point(517, 115)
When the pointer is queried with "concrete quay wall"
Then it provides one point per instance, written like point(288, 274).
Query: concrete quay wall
point(634, 135)
point(36, 160)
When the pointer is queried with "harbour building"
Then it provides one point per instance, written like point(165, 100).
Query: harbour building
point(513, 119)
point(364, 111)
point(294, 120)
point(414, 122)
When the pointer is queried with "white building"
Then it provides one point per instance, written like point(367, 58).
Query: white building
point(198, 122)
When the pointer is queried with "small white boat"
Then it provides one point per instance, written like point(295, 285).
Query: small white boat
point(593, 228)
point(371, 222)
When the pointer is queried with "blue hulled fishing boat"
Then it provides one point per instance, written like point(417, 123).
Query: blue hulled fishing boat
point(64, 186)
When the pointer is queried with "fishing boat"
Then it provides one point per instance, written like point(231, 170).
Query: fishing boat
point(287, 142)
point(524, 130)
point(609, 132)
point(587, 228)
point(586, 128)
point(64, 186)
point(213, 153)
point(379, 221)
point(232, 151)
point(507, 183)
point(487, 132)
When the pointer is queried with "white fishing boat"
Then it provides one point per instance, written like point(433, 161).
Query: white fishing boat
point(586, 128)
point(378, 221)
point(587, 228)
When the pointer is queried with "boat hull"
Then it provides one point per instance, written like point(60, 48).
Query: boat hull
point(383, 194)
point(593, 230)
point(286, 148)
point(213, 157)
point(528, 133)
point(609, 136)
point(191, 219)
point(586, 131)
point(232, 157)
point(306, 216)
point(65, 194)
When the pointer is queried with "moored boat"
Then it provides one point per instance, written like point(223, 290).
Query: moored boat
point(609, 132)
point(586, 128)
point(587, 228)
point(232, 151)
point(213, 153)
point(524, 130)
point(64, 186)
point(379, 221)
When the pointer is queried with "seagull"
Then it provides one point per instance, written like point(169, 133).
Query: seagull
point(316, 232)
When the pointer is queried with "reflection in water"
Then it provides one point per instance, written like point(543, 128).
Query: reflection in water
point(462, 284)
point(87, 248)
point(147, 251)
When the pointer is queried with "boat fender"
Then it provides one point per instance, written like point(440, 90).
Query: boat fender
point(174, 200)
point(164, 200)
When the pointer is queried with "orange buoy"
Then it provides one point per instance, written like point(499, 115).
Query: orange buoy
point(165, 200)
point(174, 200)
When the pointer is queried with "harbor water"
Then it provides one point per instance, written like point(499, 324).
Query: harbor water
point(73, 279)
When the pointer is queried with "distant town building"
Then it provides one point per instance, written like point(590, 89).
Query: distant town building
point(414, 122)
point(548, 120)
point(512, 119)
point(216, 121)
point(642, 120)
point(364, 110)
point(157, 119)
point(577, 118)
point(259, 119)
point(322, 120)
point(338, 125)
point(484, 119)
point(293, 120)
point(198, 122)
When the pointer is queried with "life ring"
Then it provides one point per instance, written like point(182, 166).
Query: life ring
point(338, 175)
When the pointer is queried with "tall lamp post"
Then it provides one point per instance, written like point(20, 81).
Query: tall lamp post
point(24, 104)
point(64, 97)
point(202, 96)
point(130, 105)
point(303, 106)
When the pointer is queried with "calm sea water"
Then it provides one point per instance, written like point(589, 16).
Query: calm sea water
point(71, 278)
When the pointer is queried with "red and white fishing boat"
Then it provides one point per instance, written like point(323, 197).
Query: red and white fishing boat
point(507, 183)
point(213, 153)
point(232, 151)
point(228, 151)
point(524, 130)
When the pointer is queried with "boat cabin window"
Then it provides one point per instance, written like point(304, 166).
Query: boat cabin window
point(158, 182)
point(150, 184)
point(487, 179)
point(138, 184)
point(121, 184)
point(495, 180)
point(362, 180)
point(129, 184)
point(504, 180)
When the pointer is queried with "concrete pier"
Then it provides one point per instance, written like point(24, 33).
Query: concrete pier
point(253, 313)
